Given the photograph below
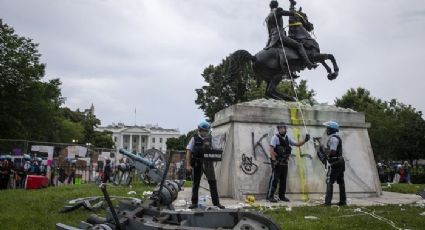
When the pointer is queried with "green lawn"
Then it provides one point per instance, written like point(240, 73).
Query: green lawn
point(405, 217)
point(403, 188)
point(39, 209)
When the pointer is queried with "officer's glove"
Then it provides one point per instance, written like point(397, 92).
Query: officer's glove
point(307, 137)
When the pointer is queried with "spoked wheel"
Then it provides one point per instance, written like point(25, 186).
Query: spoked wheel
point(158, 158)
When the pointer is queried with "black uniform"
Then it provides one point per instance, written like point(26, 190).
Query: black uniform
point(335, 173)
point(200, 147)
point(280, 168)
point(277, 32)
point(5, 172)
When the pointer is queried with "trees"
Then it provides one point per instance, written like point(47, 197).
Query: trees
point(86, 122)
point(181, 142)
point(219, 93)
point(28, 106)
point(398, 130)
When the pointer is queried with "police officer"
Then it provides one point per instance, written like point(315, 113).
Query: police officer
point(333, 150)
point(196, 148)
point(107, 171)
point(280, 150)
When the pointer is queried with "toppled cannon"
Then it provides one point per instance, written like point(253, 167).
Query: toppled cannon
point(147, 168)
point(157, 212)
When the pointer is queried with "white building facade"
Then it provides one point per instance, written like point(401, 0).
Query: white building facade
point(140, 138)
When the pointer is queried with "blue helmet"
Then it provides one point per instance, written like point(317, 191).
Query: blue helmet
point(27, 157)
point(332, 125)
point(281, 124)
point(204, 126)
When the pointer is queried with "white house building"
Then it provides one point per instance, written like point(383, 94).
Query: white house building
point(140, 138)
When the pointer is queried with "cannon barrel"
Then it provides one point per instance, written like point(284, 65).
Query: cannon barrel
point(137, 158)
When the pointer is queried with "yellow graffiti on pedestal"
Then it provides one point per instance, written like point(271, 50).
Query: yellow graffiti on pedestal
point(296, 121)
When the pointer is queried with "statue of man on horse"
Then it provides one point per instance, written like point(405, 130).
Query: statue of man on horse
point(283, 55)
point(277, 33)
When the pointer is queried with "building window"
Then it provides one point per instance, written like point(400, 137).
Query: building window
point(115, 139)
point(153, 139)
point(160, 140)
point(143, 139)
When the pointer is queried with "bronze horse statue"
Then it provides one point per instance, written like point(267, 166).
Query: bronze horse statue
point(270, 67)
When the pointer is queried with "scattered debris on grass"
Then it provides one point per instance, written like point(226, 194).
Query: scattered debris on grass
point(311, 217)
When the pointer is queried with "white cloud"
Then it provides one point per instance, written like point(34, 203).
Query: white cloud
point(150, 54)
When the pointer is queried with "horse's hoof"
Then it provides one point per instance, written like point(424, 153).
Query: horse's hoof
point(332, 76)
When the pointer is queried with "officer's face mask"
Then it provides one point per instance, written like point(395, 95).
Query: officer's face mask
point(330, 131)
point(282, 130)
point(204, 133)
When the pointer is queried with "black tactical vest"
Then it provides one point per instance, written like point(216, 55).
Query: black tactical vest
point(339, 148)
point(201, 146)
point(283, 150)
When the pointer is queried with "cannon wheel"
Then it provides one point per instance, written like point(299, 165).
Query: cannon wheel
point(158, 158)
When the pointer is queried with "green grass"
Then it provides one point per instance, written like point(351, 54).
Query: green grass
point(188, 184)
point(404, 188)
point(406, 217)
point(39, 209)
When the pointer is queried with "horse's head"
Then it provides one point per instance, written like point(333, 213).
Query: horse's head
point(303, 19)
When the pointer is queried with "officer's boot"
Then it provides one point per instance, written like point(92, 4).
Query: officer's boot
point(214, 194)
point(304, 57)
point(329, 193)
point(270, 194)
point(342, 195)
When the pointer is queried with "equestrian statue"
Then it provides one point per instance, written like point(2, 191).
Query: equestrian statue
point(284, 55)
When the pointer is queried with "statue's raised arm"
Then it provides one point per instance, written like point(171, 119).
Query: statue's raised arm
point(292, 6)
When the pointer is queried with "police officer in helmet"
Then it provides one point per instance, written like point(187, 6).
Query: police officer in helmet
point(199, 145)
point(280, 150)
point(333, 150)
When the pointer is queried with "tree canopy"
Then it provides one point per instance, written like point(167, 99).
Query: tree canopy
point(397, 130)
point(218, 93)
point(30, 107)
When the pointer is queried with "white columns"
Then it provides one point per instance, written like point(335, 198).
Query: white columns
point(140, 143)
point(121, 141)
point(130, 148)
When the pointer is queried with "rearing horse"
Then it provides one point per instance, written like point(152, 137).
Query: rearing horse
point(270, 67)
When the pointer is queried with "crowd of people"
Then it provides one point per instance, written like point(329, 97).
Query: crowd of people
point(14, 170)
point(394, 172)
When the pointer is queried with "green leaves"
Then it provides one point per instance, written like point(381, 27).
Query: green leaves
point(29, 107)
point(218, 93)
point(398, 130)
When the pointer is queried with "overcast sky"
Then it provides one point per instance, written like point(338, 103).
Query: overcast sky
point(149, 54)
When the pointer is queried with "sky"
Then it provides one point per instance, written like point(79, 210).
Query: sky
point(148, 55)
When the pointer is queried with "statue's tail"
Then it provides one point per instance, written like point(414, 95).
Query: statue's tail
point(239, 59)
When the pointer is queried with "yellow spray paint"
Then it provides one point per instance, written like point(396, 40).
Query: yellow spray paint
point(296, 121)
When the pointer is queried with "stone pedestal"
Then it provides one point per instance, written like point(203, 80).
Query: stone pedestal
point(244, 131)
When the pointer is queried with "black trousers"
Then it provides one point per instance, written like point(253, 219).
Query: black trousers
point(4, 181)
point(279, 175)
point(206, 168)
point(287, 41)
point(335, 174)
